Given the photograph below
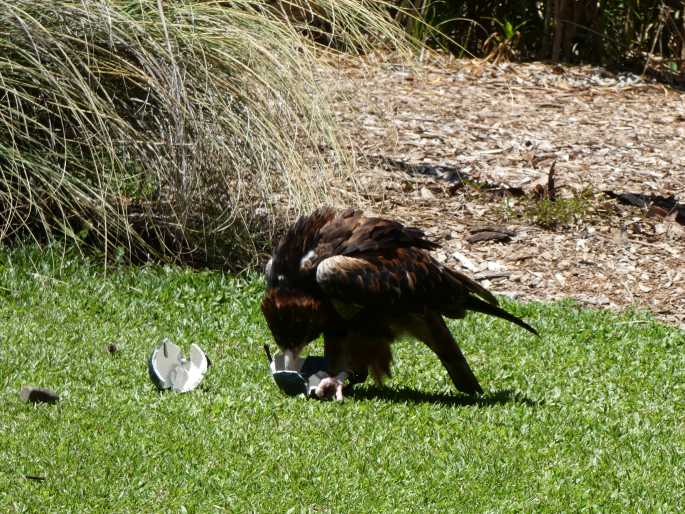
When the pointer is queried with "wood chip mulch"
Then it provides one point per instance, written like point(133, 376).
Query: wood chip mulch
point(457, 147)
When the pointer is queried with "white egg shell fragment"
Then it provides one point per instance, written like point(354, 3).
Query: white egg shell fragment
point(170, 370)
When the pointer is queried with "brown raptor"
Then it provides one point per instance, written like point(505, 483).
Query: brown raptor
point(362, 282)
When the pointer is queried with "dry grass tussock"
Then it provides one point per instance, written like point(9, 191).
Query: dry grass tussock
point(186, 129)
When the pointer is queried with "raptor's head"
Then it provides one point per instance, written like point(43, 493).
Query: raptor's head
point(295, 318)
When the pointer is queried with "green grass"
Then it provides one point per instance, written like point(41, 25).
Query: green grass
point(589, 417)
point(550, 214)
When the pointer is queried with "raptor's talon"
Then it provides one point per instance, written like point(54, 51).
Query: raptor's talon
point(330, 386)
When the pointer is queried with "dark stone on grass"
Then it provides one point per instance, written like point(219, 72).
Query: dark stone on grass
point(38, 395)
point(35, 478)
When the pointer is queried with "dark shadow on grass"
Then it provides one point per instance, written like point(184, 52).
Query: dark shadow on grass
point(409, 395)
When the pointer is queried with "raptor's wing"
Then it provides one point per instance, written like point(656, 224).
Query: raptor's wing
point(406, 278)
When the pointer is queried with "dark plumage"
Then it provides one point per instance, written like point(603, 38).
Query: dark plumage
point(362, 282)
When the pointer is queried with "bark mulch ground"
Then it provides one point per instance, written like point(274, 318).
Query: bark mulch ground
point(464, 149)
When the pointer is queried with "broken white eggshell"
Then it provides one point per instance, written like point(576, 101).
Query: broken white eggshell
point(170, 370)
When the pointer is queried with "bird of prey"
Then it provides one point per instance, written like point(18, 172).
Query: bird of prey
point(363, 282)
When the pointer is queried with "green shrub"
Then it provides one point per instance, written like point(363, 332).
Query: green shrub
point(463, 27)
point(612, 32)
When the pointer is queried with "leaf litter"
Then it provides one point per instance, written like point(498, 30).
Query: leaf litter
point(453, 146)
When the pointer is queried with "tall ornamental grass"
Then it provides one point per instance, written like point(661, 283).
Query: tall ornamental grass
point(186, 129)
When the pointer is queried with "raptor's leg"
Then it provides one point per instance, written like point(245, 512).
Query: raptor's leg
point(432, 330)
point(336, 350)
point(350, 355)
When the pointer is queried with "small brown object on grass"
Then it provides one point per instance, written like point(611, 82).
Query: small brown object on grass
point(38, 395)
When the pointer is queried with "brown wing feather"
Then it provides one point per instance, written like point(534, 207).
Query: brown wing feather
point(326, 233)
point(406, 278)
point(352, 233)
point(302, 237)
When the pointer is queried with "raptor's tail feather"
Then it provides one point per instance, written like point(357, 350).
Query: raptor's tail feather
point(476, 304)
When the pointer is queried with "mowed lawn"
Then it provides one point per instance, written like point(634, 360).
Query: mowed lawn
point(588, 417)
